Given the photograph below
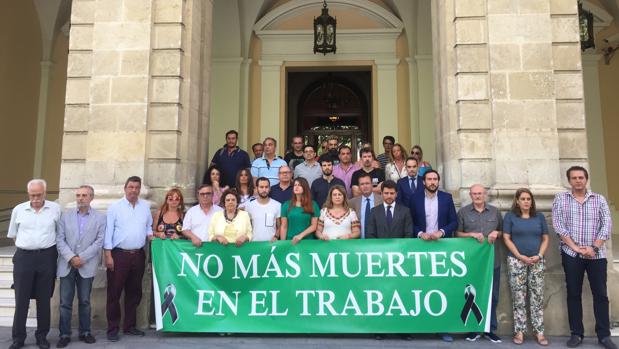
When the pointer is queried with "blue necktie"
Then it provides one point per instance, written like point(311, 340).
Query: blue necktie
point(366, 217)
point(413, 184)
point(389, 215)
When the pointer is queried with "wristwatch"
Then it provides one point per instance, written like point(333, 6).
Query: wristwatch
point(595, 249)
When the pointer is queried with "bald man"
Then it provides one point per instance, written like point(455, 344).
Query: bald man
point(484, 223)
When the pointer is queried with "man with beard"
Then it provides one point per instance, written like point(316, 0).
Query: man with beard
point(230, 159)
point(264, 213)
point(434, 215)
point(377, 174)
point(331, 154)
point(295, 156)
point(321, 186)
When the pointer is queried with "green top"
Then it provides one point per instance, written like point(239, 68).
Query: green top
point(298, 220)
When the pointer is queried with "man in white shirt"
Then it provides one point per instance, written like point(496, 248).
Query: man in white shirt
point(33, 226)
point(198, 218)
point(264, 213)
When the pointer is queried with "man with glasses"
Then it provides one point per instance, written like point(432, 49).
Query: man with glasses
point(282, 191)
point(198, 218)
point(33, 227)
point(295, 156)
point(309, 169)
point(383, 159)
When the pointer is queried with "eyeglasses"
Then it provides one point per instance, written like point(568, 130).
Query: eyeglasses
point(206, 193)
point(415, 152)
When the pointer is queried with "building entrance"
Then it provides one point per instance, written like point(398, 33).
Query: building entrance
point(330, 103)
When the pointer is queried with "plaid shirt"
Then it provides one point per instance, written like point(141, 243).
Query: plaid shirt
point(584, 223)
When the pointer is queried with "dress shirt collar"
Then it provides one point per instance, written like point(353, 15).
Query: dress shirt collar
point(474, 209)
point(85, 214)
point(392, 206)
point(46, 205)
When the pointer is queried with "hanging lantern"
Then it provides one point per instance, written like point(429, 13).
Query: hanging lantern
point(324, 32)
point(585, 20)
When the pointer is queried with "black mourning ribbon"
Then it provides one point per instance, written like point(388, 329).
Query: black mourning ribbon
point(470, 305)
point(168, 303)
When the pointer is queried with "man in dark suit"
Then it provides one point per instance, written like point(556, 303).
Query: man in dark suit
point(364, 203)
point(434, 215)
point(410, 184)
point(389, 221)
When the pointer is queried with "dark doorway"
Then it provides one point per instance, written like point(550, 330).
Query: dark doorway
point(330, 103)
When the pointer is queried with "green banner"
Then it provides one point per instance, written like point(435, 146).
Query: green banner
point(353, 286)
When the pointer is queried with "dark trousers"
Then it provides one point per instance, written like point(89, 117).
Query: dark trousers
point(34, 274)
point(496, 281)
point(68, 284)
point(574, 268)
point(127, 276)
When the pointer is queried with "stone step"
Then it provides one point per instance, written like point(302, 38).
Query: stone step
point(7, 292)
point(4, 275)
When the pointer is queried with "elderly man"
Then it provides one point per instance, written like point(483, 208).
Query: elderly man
point(129, 224)
point(33, 226)
point(79, 241)
point(481, 221)
point(582, 220)
point(198, 218)
point(282, 191)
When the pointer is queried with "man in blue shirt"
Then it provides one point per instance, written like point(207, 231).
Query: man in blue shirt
point(230, 159)
point(129, 224)
point(282, 191)
point(268, 165)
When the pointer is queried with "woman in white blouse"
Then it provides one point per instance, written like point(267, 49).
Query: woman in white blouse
point(337, 220)
point(396, 168)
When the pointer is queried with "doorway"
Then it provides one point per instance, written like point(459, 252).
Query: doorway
point(321, 104)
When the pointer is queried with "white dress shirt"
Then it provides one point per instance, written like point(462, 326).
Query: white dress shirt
point(34, 230)
point(198, 222)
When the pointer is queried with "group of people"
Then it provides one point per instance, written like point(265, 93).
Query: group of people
point(268, 199)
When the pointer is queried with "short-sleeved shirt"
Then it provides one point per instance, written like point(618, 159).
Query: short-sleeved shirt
point(526, 233)
point(230, 164)
point(198, 222)
point(377, 174)
point(34, 230)
point(264, 218)
point(310, 173)
point(262, 168)
point(485, 222)
point(279, 194)
point(298, 220)
point(330, 155)
point(293, 160)
point(320, 189)
point(335, 227)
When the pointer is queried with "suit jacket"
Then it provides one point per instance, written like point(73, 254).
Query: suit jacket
point(87, 246)
point(355, 203)
point(404, 190)
point(401, 226)
point(447, 218)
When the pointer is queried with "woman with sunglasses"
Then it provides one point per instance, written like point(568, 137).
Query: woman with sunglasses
point(168, 220)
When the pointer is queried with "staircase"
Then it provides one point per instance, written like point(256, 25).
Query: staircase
point(7, 295)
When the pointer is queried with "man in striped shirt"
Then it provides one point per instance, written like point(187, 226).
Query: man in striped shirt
point(582, 220)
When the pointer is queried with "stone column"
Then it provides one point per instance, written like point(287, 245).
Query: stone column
point(270, 100)
point(511, 113)
point(387, 100)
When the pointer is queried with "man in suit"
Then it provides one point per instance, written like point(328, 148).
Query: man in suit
point(410, 184)
point(434, 215)
point(79, 241)
point(363, 203)
point(389, 221)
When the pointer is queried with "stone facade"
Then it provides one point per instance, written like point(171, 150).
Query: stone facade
point(508, 91)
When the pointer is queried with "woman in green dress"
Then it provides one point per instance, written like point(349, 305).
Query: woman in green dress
point(300, 214)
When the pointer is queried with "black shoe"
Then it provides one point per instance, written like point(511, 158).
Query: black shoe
point(492, 337)
point(113, 336)
point(43, 343)
point(379, 337)
point(574, 341)
point(87, 338)
point(472, 336)
point(63, 342)
point(607, 343)
point(16, 345)
point(134, 332)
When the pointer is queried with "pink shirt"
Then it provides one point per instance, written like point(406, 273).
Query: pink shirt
point(345, 175)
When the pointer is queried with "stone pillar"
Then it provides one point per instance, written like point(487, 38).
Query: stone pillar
point(387, 100)
point(225, 105)
point(511, 113)
point(136, 104)
point(270, 100)
point(425, 94)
